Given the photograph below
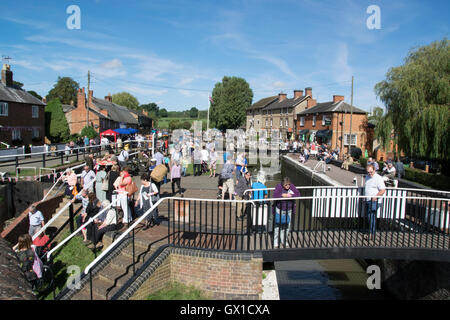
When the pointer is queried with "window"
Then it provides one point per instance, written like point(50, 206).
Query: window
point(3, 109)
point(35, 133)
point(16, 134)
point(35, 112)
point(257, 122)
point(266, 122)
point(271, 123)
point(302, 121)
point(281, 122)
point(346, 139)
point(286, 123)
point(314, 121)
point(326, 121)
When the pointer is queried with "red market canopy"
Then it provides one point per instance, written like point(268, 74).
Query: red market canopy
point(109, 132)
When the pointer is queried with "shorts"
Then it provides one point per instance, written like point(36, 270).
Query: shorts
point(228, 185)
point(213, 165)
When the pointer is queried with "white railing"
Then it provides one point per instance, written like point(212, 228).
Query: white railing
point(72, 151)
point(85, 224)
point(54, 217)
point(253, 202)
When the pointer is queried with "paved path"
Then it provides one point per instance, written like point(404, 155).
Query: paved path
point(341, 176)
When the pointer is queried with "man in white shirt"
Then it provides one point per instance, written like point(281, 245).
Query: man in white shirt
point(87, 179)
point(374, 188)
point(36, 220)
point(205, 159)
point(123, 158)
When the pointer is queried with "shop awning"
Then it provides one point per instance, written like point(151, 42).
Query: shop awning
point(125, 130)
point(324, 133)
point(304, 131)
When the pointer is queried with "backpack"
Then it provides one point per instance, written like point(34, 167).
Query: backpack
point(158, 173)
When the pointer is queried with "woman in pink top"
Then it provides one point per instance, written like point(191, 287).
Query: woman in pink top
point(71, 179)
point(175, 176)
point(124, 181)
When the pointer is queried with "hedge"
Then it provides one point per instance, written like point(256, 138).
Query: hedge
point(436, 181)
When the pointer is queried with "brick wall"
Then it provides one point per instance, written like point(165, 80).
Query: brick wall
point(20, 115)
point(218, 275)
point(21, 223)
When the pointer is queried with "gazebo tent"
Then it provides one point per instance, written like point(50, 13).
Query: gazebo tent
point(109, 132)
point(125, 131)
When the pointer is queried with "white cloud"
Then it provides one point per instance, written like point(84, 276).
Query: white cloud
point(341, 69)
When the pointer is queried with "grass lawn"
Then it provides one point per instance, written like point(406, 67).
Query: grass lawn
point(74, 253)
point(178, 291)
point(163, 123)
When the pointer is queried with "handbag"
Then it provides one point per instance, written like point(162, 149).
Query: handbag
point(38, 266)
point(131, 188)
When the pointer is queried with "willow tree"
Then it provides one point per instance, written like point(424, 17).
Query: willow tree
point(417, 100)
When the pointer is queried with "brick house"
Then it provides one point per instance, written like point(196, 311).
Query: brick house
point(103, 114)
point(329, 122)
point(279, 112)
point(22, 116)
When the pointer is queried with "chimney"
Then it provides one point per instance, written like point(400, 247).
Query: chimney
point(91, 93)
point(311, 103)
point(298, 94)
point(108, 97)
point(308, 92)
point(282, 96)
point(44, 100)
point(81, 98)
point(337, 98)
point(7, 75)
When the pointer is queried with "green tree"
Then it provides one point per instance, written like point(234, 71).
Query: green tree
point(56, 126)
point(89, 131)
point(65, 90)
point(17, 84)
point(231, 98)
point(163, 113)
point(125, 99)
point(417, 100)
point(35, 94)
point(150, 108)
point(186, 125)
point(193, 113)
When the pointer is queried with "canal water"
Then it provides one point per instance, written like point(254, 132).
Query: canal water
point(317, 279)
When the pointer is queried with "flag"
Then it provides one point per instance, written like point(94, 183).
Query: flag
point(211, 100)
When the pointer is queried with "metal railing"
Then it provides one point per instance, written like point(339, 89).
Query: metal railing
point(66, 154)
point(328, 217)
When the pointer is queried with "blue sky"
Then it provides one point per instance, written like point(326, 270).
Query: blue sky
point(174, 52)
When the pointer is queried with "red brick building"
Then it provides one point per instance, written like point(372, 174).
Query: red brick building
point(22, 116)
point(329, 123)
point(103, 114)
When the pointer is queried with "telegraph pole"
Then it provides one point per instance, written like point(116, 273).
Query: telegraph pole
point(87, 100)
point(351, 116)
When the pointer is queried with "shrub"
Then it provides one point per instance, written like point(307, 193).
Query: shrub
point(431, 180)
point(363, 162)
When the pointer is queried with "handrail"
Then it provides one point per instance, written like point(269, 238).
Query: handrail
point(59, 213)
point(79, 148)
point(354, 187)
point(142, 217)
point(84, 225)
